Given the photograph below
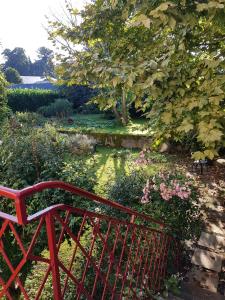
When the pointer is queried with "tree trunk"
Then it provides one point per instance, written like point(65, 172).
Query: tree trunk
point(118, 117)
point(125, 118)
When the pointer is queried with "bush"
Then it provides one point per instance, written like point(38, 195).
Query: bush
point(29, 118)
point(167, 197)
point(30, 99)
point(3, 99)
point(80, 144)
point(29, 155)
point(60, 108)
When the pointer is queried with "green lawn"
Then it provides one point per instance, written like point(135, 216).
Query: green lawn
point(111, 163)
point(98, 123)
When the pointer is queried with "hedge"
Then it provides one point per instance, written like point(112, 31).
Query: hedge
point(30, 99)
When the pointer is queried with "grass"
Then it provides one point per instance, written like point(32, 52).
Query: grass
point(99, 124)
point(110, 164)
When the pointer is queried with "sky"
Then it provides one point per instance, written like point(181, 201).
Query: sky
point(22, 23)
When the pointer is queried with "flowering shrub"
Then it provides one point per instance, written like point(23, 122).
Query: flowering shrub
point(166, 196)
point(143, 158)
point(168, 186)
point(173, 198)
point(147, 156)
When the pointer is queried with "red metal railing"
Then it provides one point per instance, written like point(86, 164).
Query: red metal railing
point(72, 253)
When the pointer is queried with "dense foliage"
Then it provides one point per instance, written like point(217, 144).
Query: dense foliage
point(60, 108)
point(3, 99)
point(12, 75)
point(29, 155)
point(168, 197)
point(79, 95)
point(169, 53)
point(30, 99)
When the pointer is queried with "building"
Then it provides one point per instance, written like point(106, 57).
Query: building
point(35, 82)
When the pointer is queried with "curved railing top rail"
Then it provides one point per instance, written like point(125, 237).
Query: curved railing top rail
point(19, 197)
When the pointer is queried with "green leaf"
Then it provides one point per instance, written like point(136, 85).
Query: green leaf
point(198, 155)
point(210, 153)
point(166, 117)
point(185, 126)
point(115, 81)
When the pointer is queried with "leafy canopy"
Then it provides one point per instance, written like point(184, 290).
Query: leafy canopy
point(169, 53)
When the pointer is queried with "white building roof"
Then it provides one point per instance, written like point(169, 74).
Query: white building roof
point(32, 79)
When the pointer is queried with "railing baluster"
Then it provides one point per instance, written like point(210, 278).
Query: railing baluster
point(53, 256)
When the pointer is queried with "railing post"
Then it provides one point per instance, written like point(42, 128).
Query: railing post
point(21, 212)
point(53, 256)
point(132, 218)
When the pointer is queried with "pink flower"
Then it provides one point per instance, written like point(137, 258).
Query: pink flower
point(145, 199)
point(146, 191)
point(162, 186)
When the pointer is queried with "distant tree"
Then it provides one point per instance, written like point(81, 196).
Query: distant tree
point(18, 60)
point(12, 75)
point(44, 64)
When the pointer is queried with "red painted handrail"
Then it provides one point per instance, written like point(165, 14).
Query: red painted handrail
point(20, 195)
point(132, 259)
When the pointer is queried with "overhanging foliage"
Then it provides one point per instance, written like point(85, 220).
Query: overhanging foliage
point(169, 53)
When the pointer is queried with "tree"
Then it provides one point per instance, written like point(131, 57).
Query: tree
point(93, 66)
point(12, 75)
point(18, 60)
point(3, 98)
point(44, 64)
point(169, 53)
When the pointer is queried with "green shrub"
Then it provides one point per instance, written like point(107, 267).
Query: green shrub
point(32, 154)
point(29, 118)
point(81, 144)
point(61, 108)
point(3, 100)
point(30, 99)
point(29, 155)
point(169, 197)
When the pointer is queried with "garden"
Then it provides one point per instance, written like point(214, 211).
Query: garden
point(133, 121)
point(161, 185)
